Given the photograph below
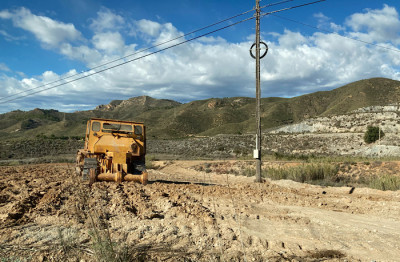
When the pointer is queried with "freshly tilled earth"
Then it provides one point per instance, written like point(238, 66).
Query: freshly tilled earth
point(48, 214)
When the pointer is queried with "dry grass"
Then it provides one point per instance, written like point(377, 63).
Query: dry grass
point(305, 172)
point(321, 173)
point(386, 182)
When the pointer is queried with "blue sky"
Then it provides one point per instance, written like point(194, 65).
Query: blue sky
point(44, 41)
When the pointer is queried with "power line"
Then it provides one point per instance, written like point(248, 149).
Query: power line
point(292, 7)
point(273, 4)
point(135, 53)
point(143, 50)
point(126, 62)
point(149, 54)
point(335, 33)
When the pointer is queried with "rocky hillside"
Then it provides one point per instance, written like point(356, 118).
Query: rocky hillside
point(387, 117)
point(171, 119)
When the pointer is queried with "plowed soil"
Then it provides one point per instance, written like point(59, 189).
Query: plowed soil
point(48, 214)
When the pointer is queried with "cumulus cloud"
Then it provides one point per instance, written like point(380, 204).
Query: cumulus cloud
point(48, 31)
point(325, 61)
point(148, 27)
point(296, 63)
point(4, 67)
point(323, 20)
point(106, 20)
point(291, 39)
point(382, 25)
point(5, 14)
point(110, 42)
point(167, 32)
point(155, 33)
point(91, 57)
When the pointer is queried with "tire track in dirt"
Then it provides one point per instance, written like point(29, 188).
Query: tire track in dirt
point(187, 214)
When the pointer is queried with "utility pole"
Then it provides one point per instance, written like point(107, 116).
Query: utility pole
point(257, 151)
point(257, 57)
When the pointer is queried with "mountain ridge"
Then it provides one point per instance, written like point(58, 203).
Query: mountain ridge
point(232, 115)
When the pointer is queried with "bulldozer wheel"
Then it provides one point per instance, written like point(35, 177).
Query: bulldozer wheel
point(92, 176)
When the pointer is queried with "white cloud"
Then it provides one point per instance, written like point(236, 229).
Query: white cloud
point(336, 28)
point(81, 53)
point(109, 42)
point(156, 33)
point(148, 27)
point(323, 20)
point(291, 39)
point(167, 32)
point(381, 25)
point(20, 74)
point(212, 40)
point(213, 67)
point(106, 20)
point(9, 86)
point(5, 14)
point(48, 31)
point(10, 37)
point(4, 67)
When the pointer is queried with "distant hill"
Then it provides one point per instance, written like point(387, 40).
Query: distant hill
point(171, 119)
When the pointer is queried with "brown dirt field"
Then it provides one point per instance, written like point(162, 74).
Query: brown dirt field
point(47, 214)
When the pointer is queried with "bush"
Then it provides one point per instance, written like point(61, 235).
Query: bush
point(29, 124)
point(372, 134)
point(387, 182)
point(305, 173)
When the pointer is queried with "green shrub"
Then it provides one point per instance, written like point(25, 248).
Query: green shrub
point(248, 172)
point(29, 124)
point(386, 182)
point(305, 173)
point(372, 134)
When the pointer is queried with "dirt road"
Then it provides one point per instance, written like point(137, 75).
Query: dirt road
point(186, 215)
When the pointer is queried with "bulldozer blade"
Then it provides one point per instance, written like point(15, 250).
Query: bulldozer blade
point(142, 178)
point(118, 177)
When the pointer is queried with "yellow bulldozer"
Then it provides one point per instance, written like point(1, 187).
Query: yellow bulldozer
point(114, 151)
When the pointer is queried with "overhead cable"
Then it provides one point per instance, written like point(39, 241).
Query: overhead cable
point(126, 62)
point(144, 49)
point(289, 8)
point(135, 53)
point(149, 54)
point(335, 33)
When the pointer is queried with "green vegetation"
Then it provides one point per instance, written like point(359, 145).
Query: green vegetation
point(314, 173)
point(29, 124)
point(372, 134)
point(328, 159)
point(50, 149)
point(42, 136)
point(322, 173)
point(309, 173)
point(102, 246)
point(105, 249)
point(386, 182)
point(235, 115)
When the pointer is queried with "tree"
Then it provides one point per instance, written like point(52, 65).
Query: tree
point(372, 134)
point(29, 124)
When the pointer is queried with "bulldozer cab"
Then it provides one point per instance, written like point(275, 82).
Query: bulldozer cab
point(104, 135)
